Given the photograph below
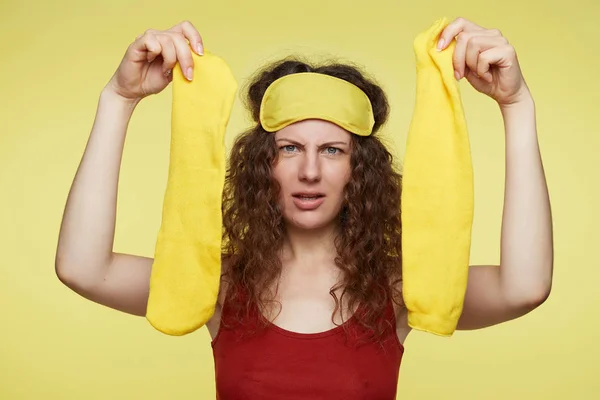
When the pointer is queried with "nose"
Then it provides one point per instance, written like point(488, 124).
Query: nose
point(310, 167)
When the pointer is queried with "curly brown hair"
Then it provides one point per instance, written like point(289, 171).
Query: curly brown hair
point(369, 243)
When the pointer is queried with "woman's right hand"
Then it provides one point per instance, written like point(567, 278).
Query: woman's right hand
point(147, 65)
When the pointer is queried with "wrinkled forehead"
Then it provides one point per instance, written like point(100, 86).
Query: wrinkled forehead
point(314, 131)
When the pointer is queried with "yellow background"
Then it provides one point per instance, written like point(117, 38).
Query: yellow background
point(56, 57)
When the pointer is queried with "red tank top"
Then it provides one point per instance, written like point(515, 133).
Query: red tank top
point(280, 364)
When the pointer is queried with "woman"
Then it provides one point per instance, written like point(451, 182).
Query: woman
point(312, 269)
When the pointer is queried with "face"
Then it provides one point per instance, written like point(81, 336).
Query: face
point(312, 167)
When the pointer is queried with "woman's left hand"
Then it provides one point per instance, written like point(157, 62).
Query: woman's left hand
point(486, 59)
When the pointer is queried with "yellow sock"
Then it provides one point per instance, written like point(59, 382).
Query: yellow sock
point(187, 265)
point(437, 198)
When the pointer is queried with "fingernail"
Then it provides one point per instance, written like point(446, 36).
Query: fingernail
point(189, 73)
point(440, 44)
point(200, 49)
point(456, 75)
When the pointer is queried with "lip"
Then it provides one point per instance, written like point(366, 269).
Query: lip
point(307, 204)
point(308, 194)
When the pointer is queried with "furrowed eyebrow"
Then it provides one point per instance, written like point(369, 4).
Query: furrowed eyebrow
point(323, 145)
point(331, 143)
point(287, 140)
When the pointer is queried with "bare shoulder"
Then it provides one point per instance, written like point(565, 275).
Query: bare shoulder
point(213, 323)
point(402, 327)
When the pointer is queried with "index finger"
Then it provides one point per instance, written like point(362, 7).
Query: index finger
point(453, 29)
point(192, 35)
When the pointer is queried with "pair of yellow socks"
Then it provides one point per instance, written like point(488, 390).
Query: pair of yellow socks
point(437, 202)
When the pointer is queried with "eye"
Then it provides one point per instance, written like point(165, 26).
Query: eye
point(288, 148)
point(333, 150)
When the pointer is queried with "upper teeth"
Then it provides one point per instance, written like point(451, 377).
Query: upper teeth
point(307, 197)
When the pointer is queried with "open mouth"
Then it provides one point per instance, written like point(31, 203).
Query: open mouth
point(309, 198)
point(308, 201)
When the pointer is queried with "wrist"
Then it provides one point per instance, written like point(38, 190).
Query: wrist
point(524, 108)
point(109, 93)
point(520, 123)
point(114, 107)
point(521, 101)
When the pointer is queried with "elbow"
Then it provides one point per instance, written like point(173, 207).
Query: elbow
point(534, 297)
point(66, 275)
point(527, 299)
point(74, 276)
point(542, 291)
point(530, 291)
point(538, 297)
point(61, 271)
point(64, 270)
point(543, 294)
point(75, 280)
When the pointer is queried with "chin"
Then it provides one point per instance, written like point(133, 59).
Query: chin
point(307, 225)
point(310, 221)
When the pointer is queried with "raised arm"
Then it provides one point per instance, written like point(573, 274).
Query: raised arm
point(85, 260)
point(523, 280)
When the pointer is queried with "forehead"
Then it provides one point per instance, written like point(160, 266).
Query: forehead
point(313, 130)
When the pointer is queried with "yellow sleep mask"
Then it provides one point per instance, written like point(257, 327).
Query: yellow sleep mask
point(308, 95)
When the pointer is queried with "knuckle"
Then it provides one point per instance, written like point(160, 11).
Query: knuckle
point(185, 58)
point(462, 36)
point(166, 38)
point(188, 24)
point(170, 55)
point(478, 39)
point(178, 36)
point(169, 62)
point(455, 62)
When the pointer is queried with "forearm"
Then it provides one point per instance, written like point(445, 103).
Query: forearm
point(87, 231)
point(526, 242)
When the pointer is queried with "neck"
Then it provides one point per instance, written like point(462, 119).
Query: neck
point(310, 248)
